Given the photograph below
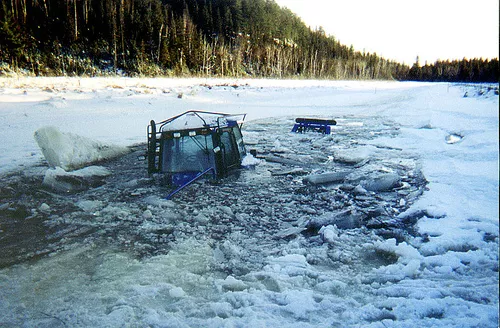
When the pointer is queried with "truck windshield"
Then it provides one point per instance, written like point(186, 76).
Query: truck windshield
point(187, 154)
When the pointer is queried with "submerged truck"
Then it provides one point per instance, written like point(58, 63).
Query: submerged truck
point(193, 144)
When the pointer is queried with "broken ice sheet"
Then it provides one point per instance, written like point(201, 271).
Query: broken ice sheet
point(70, 151)
point(59, 180)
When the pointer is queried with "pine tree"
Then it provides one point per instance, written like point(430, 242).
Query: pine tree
point(12, 42)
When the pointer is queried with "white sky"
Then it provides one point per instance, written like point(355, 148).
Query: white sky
point(402, 29)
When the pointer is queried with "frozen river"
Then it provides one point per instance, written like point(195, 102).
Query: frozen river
point(407, 237)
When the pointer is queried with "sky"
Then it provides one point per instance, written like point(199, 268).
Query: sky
point(401, 30)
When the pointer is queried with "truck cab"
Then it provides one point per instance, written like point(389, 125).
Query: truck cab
point(195, 143)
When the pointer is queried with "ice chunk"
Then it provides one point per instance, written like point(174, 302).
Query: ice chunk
point(359, 190)
point(89, 205)
point(44, 207)
point(147, 214)
point(292, 231)
point(343, 220)
point(299, 303)
point(233, 284)
point(329, 233)
point(353, 156)
point(412, 268)
point(249, 160)
point(201, 219)
point(62, 181)
point(177, 292)
point(70, 151)
point(122, 313)
point(324, 178)
point(159, 202)
point(384, 182)
point(398, 271)
point(226, 211)
point(405, 252)
point(336, 287)
point(291, 264)
point(278, 148)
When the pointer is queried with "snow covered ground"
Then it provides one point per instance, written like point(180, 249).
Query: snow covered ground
point(408, 237)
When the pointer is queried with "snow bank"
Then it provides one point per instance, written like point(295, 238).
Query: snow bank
point(70, 151)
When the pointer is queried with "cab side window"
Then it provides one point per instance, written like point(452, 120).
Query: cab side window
point(230, 152)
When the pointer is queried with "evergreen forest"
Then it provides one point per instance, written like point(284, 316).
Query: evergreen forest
point(220, 38)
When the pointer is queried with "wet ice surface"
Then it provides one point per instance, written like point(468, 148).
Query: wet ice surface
point(126, 207)
point(270, 246)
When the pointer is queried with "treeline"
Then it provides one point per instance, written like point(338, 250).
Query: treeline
point(255, 38)
point(465, 70)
